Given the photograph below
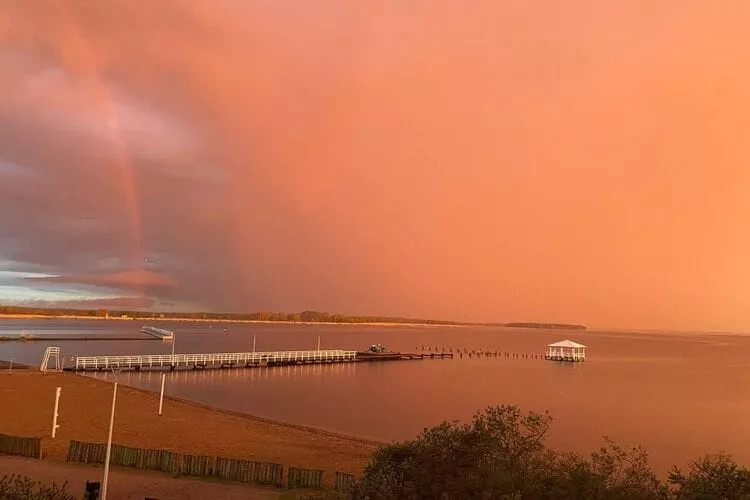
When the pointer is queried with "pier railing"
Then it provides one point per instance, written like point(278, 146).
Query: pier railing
point(194, 360)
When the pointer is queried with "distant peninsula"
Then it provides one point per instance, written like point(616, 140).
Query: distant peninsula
point(262, 316)
point(552, 326)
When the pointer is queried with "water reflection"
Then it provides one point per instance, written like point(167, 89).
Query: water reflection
point(149, 378)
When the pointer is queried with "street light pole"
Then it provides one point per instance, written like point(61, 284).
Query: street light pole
point(161, 395)
point(109, 443)
point(171, 361)
point(54, 415)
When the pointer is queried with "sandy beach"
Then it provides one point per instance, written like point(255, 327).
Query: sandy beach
point(27, 403)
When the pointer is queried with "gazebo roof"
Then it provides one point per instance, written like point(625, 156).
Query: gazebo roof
point(566, 343)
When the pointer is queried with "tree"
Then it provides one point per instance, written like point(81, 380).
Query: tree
point(625, 474)
point(15, 487)
point(712, 477)
point(502, 455)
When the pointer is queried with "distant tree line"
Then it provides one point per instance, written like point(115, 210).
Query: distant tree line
point(556, 326)
point(305, 316)
point(301, 317)
point(502, 455)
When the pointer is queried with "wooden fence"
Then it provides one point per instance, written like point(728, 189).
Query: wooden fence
point(344, 482)
point(23, 446)
point(304, 478)
point(179, 464)
point(88, 453)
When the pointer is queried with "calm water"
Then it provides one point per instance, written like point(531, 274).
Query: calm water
point(680, 395)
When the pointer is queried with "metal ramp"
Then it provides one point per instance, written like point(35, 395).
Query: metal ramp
point(159, 333)
point(51, 360)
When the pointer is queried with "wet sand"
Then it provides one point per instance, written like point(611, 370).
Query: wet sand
point(27, 401)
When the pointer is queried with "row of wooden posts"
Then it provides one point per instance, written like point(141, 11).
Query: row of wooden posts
point(181, 464)
point(230, 469)
point(22, 446)
point(480, 353)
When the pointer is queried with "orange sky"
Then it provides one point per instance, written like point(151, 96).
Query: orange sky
point(578, 161)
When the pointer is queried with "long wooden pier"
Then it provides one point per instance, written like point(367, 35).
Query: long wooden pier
point(235, 360)
point(207, 361)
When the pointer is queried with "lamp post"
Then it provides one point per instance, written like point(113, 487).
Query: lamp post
point(109, 440)
point(161, 395)
point(54, 415)
point(171, 361)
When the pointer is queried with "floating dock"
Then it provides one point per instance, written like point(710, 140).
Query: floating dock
point(158, 333)
point(235, 360)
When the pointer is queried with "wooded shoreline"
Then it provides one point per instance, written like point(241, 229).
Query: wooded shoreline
point(304, 317)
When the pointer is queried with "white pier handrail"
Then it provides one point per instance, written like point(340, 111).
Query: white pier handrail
point(163, 360)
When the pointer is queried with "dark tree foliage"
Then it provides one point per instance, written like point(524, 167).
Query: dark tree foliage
point(16, 487)
point(712, 477)
point(502, 455)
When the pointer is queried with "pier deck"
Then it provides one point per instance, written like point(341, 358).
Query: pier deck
point(401, 356)
point(235, 359)
point(212, 360)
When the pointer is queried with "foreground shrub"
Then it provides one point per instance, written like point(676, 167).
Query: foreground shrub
point(502, 454)
point(712, 477)
point(15, 487)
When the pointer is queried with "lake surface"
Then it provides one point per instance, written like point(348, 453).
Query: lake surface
point(678, 394)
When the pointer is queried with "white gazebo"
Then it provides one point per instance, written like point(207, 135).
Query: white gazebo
point(566, 350)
